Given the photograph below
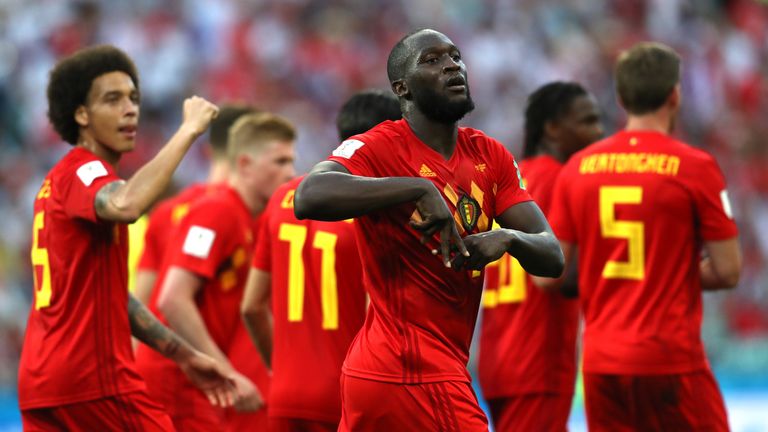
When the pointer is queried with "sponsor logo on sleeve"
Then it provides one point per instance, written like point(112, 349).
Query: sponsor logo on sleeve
point(199, 241)
point(726, 203)
point(90, 171)
point(347, 148)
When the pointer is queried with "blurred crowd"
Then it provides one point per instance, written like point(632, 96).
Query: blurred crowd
point(303, 58)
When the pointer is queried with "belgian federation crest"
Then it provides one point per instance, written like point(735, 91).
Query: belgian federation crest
point(469, 212)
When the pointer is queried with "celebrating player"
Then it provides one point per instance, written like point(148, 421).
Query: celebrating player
point(310, 273)
point(76, 370)
point(639, 207)
point(527, 358)
point(206, 263)
point(168, 213)
point(416, 186)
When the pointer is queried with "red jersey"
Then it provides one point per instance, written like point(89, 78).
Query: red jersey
point(528, 337)
point(422, 314)
point(639, 205)
point(214, 241)
point(78, 340)
point(162, 221)
point(318, 302)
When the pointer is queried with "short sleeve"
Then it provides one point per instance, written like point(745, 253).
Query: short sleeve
point(712, 203)
point(362, 154)
point(203, 240)
point(560, 216)
point(509, 183)
point(262, 255)
point(80, 186)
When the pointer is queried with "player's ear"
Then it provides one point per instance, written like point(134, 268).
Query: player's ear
point(675, 97)
point(552, 130)
point(400, 88)
point(81, 116)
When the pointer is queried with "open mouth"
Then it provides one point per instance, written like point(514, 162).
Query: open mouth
point(128, 131)
point(456, 83)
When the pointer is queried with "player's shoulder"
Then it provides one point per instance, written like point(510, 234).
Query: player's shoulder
point(478, 137)
point(283, 196)
point(81, 163)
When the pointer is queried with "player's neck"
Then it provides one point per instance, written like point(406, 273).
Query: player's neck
point(219, 171)
point(440, 137)
point(659, 121)
point(103, 152)
point(251, 199)
point(551, 149)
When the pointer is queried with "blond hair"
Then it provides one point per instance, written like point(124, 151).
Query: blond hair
point(253, 132)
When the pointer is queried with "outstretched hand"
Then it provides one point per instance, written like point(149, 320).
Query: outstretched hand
point(437, 217)
point(484, 248)
point(215, 380)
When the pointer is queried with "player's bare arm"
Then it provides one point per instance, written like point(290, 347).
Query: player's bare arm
point(256, 312)
point(216, 382)
point(550, 284)
point(127, 201)
point(177, 303)
point(721, 267)
point(331, 193)
point(525, 234)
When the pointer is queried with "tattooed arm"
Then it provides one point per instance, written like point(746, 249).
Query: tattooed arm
point(208, 375)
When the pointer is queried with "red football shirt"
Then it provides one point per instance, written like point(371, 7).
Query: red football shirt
point(214, 241)
point(318, 302)
point(639, 205)
point(162, 221)
point(422, 314)
point(78, 340)
point(528, 337)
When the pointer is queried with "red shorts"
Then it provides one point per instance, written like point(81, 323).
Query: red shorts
point(127, 412)
point(690, 401)
point(251, 421)
point(283, 424)
point(449, 406)
point(545, 412)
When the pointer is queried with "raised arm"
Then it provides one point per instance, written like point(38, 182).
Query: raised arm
point(525, 234)
point(126, 201)
point(331, 193)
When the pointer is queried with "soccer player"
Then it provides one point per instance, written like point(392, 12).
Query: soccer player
point(527, 357)
point(206, 264)
point(640, 208)
point(416, 186)
point(168, 213)
point(76, 370)
point(310, 273)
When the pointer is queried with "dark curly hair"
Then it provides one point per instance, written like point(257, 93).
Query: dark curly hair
point(71, 80)
point(548, 103)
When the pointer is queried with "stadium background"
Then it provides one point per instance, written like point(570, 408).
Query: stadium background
point(303, 58)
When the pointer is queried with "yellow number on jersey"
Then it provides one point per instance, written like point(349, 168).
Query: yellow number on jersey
point(296, 236)
point(40, 258)
point(512, 283)
point(632, 231)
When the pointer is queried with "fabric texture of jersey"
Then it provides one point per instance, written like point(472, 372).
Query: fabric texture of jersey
point(639, 205)
point(162, 221)
point(77, 345)
point(214, 241)
point(422, 314)
point(528, 337)
point(315, 318)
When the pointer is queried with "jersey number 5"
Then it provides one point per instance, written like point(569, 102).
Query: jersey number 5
point(296, 236)
point(631, 231)
point(40, 258)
